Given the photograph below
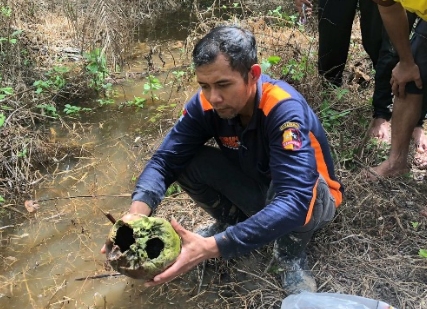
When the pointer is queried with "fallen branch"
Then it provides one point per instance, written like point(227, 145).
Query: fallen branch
point(98, 276)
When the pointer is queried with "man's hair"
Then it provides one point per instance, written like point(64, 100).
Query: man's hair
point(236, 44)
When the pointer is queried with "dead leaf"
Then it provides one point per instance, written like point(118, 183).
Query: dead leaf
point(424, 212)
point(31, 206)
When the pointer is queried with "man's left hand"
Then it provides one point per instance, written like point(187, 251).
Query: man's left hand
point(194, 250)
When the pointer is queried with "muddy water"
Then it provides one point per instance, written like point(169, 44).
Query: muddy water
point(46, 260)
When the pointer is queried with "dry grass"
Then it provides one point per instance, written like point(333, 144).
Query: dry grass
point(370, 249)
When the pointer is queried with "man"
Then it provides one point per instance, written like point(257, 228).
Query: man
point(407, 79)
point(270, 179)
point(335, 26)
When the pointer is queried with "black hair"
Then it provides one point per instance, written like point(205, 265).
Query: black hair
point(236, 44)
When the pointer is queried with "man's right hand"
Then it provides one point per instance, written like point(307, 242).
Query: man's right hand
point(135, 210)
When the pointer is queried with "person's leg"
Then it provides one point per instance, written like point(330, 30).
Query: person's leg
point(382, 98)
point(419, 42)
point(335, 19)
point(220, 188)
point(289, 250)
point(380, 50)
point(406, 111)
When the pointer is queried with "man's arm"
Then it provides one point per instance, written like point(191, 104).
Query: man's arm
point(396, 23)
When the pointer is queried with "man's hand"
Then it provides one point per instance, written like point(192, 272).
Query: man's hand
point(195, 249)
point(403, 73)
point(135, 210)
point(308, 10)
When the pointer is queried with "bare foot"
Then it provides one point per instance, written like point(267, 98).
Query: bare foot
point(387, 169)
point(420, 140)
point(380, 129)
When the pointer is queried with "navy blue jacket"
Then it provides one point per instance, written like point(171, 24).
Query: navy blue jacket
point(284, 143)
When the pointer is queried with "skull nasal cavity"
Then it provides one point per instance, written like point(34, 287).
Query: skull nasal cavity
point(124, 238)
point(154, 247)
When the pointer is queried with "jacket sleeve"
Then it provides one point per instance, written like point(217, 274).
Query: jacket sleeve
point(177, 149)
point(294, 177)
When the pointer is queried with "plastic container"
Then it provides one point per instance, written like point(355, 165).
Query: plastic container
point(307, 300)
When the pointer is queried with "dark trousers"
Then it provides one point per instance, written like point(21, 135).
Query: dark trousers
point(229, 195)
point(335, 26)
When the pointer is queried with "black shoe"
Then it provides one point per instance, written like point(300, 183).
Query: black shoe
point(212, 229)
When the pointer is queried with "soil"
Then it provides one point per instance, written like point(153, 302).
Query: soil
point(371, 248)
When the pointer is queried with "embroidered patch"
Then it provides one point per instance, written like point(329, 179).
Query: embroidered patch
point(291, 139)
point(231, 142)
point(287, 125)
point(183, 113)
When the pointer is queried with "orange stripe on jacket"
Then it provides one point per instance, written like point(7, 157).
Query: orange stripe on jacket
point(311, 207)
point(334, 186)
point(205, 103)
point(271, 95)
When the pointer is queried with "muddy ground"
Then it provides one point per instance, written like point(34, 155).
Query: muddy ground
point(370, 249)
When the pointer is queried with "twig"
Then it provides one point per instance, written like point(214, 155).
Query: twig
point(82, 196)
point(202, 275)
point(5, 227)
point(98, 276)
point(260, 278)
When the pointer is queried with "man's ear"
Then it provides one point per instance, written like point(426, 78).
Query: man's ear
point(255, 72)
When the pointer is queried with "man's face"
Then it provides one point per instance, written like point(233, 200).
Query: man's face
point(226, 89)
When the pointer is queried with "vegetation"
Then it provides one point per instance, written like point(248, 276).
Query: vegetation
point(378, 228)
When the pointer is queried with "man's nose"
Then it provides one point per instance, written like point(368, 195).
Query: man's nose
point(215, 96)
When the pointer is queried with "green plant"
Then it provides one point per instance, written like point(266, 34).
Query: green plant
point(96, 68)
point(379, 147)
point(173, 189)
point(297, 69)
point(2, 119)
point(48, 109)
point(54, 81)
point(105, 101)
point(278, 13)
point(72, 109)
point(152, 85)
point(5, 11)
point(415, 225)
point(270, 61)
point(329, 116)
point(422, 253)
point(137, 101)
point(1, 199)
point(56, 76)
point(4, 92)
point(23, 153)
point(42, 85)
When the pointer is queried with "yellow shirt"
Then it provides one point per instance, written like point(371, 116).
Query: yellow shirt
point(418, 7)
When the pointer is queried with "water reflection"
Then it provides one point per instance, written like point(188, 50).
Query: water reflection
point(41, 259)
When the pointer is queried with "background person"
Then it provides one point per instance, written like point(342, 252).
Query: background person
point(335, 21)
point(407, 79)
point(271, 178)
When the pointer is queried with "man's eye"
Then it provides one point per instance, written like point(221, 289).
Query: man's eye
point(204, 86)
point(223, 85)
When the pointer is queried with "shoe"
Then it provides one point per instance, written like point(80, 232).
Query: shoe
point(295, 275)
point(212, 229)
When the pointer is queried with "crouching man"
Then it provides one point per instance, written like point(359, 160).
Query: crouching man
point(271, 178)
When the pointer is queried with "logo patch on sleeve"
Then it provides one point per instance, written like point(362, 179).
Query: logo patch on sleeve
point(289, 124)
point(291, 139)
